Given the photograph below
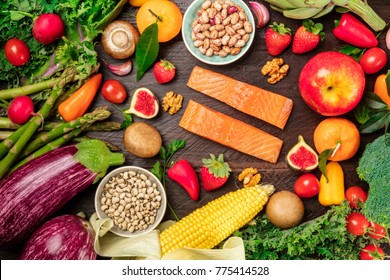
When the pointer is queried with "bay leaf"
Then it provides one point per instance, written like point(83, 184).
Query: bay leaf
point(147, 49)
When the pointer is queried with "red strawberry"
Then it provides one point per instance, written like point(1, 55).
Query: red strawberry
point(164, 71)
point(277, 38)
point(307, 37)
point(214, 172)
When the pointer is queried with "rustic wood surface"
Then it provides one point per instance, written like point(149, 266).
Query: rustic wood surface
point(302, 120)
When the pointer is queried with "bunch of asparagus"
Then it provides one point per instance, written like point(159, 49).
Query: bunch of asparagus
point(302, 9)
point(25, 142)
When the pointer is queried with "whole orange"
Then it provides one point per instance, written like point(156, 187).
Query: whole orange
point(169, 18)
point(337, 132)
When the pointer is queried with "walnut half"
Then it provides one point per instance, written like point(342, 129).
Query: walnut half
point(172, 102)
point(275, 69)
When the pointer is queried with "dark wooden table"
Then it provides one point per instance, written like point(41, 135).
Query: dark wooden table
point(302, 120)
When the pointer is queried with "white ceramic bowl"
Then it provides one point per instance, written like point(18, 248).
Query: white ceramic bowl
point(153, 179)
point(186, 30)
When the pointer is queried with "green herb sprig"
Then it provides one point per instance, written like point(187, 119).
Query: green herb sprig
point(166, 154)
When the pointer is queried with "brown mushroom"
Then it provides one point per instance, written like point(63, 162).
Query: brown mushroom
point(119, 39)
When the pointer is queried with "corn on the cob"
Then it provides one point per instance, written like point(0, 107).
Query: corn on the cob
point(209, 225)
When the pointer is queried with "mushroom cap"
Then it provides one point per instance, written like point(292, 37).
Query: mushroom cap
point(119, 39)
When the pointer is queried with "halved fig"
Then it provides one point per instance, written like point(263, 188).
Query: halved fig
point(302, 157)
point(144, 104)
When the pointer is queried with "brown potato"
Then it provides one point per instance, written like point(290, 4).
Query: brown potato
point(285, 209)
point(142, 140)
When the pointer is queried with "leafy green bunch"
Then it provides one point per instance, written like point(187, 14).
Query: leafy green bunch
point(83, 20)
point(324, 237)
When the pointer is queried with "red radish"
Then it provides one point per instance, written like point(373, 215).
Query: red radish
point(20, 109)
point(48, 28)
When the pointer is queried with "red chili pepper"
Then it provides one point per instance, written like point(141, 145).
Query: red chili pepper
point(184, 174)
point(354, 32)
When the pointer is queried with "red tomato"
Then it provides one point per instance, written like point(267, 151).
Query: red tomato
point(16, 52)
point(354, 195)
point(373, 60)
point(307, 185)
point(113, 91)
point(376, 231)
point(372, 252)
point(357, 223)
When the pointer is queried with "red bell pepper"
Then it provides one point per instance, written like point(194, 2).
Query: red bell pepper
point(184, 174)
point(354, 32)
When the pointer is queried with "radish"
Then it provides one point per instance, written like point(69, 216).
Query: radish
point(47, 28)
point(20, 109)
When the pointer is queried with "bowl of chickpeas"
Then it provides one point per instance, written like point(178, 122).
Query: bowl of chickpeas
point(218, 32)
point(133, 198)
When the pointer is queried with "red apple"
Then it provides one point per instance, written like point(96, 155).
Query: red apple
point(332, 83)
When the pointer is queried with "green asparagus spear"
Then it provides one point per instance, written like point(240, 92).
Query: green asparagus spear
point(27, 90)
point(33, 124)
point(4, 134)
point(8, 143)
point(7, 123)
point(98, 114)
point(56, 143)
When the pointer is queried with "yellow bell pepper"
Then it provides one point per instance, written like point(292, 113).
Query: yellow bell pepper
point(332, 190)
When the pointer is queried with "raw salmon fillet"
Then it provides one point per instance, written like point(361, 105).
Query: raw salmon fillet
point(230, 132)
point(257, 102)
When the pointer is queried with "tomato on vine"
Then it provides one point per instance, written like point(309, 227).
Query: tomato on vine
point(372, 252)
point(376, 231)
point(355, 195)
point(357, 223)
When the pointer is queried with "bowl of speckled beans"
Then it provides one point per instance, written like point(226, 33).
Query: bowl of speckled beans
point(133, 198)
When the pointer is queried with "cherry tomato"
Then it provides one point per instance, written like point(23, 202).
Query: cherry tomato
point(307, 185)
point(372, 252)
point(354, 195)
point(113, 91)
point(376, 231)
point(16, 52)
point(357, 223)
point(373, 60)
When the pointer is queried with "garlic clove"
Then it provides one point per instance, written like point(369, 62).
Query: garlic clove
point(120, 69)
point(261, 12)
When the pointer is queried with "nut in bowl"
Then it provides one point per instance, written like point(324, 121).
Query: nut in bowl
point(218, 32)
point(133, 198)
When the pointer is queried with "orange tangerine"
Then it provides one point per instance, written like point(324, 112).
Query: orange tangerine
point(380, 88)
point(169, 14)
point(339, 134)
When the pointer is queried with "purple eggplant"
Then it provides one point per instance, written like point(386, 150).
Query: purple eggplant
point(66, 237)
point(38, 189)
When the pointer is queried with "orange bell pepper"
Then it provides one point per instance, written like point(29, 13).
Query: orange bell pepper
point(332, 190)
point(77, 104)
point(380, 88)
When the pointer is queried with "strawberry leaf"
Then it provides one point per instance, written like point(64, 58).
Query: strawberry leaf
point(217, 166)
